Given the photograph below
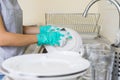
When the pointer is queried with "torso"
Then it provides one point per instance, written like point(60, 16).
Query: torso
point(12, 18)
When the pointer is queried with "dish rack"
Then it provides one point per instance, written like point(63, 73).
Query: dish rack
point(116, 63)
point(76, 21)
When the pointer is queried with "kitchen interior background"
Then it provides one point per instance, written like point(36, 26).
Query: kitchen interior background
point(34, 12)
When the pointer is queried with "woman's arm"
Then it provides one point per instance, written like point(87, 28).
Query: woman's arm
point(13, 39)
point(31, 30)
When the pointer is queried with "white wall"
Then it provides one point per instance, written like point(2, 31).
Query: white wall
point(34, 10)
point(109, 20)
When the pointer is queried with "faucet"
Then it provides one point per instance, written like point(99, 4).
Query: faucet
point(117, 5)
point(115, 2)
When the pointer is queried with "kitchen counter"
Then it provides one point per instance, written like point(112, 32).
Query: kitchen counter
point(96, 40)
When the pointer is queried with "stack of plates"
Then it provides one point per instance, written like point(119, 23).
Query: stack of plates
point(45, 66)
point(75, 44)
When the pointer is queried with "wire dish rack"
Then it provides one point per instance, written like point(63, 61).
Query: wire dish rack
point(116, 63)
point(76, 21)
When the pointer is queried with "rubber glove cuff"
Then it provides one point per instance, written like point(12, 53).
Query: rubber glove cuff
point(41, 39)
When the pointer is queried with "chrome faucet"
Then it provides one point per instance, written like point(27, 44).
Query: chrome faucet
point(115, 2)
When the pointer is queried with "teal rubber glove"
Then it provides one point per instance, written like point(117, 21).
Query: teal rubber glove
point(49, 38)
point(48, 28)
point(54, 36)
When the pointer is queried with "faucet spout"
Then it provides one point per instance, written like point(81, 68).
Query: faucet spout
point(88, 7)
point(115, 2)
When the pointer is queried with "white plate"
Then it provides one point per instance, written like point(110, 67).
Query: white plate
point(46, 65)
point(72, 45)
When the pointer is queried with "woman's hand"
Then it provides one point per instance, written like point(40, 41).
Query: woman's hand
point(49, 38)
point(53, 38)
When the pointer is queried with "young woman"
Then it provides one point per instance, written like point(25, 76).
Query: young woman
point(14, 36)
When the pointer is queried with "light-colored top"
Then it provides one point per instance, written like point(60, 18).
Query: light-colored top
point(12, 18)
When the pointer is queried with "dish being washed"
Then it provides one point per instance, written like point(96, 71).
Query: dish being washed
point(74, 44)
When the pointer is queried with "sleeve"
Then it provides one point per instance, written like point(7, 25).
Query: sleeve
point(0, 8)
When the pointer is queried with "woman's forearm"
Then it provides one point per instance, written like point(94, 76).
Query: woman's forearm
point(31, 30)
point(13, 39)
